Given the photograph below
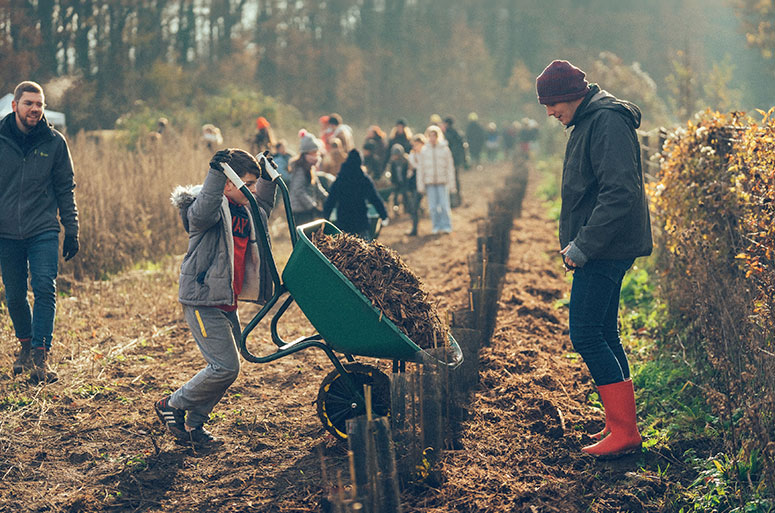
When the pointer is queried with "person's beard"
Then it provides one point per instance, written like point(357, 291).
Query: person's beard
point(27, 125)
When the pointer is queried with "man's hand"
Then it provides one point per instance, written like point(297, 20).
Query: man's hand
point(219, 157)
point(70, 247)
point(569, 264)
point(262, 163)
point(386, 221)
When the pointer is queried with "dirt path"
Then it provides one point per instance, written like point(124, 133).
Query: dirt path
point(530, 415)
point(91, 441)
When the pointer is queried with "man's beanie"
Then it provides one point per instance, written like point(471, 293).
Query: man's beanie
point(561, 81)
point(308, 142)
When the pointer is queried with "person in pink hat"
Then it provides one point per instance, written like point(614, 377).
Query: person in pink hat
point(604, 227)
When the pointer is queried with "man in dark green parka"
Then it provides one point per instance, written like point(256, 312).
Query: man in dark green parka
point(604, 226)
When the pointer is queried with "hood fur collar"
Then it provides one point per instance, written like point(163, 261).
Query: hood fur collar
point(184, 195)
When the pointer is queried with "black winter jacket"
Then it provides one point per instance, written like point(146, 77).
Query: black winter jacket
point(456, 146)
point(349, 193)
point(604, 204)
point(35, 184)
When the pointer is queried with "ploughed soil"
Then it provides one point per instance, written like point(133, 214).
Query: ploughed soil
point(91, 442)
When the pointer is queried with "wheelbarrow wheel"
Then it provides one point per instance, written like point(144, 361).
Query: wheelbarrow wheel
point(335, 399)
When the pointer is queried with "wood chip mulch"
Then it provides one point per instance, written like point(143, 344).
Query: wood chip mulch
point(380, 274)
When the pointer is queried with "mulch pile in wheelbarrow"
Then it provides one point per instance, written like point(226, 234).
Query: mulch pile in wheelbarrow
point(380, 274)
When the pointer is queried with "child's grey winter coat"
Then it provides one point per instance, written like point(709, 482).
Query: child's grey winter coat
point(207, 272)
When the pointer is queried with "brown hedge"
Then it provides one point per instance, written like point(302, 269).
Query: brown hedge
point(713, 213)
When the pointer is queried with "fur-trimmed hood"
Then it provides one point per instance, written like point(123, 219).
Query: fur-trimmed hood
point(182, 197)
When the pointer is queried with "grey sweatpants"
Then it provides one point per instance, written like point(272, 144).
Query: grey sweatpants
point(216, 333)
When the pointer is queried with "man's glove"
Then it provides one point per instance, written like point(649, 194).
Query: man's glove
point(265, 174)
point(70, 247)
point(220, 156)
point(386, 221)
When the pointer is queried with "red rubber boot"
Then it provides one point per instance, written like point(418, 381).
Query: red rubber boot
point(619, 402)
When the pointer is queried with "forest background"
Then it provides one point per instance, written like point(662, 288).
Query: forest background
point(121, 63)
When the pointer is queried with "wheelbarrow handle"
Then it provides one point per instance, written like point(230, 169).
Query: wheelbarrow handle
point(275, 176)
point(237, 181)
point(232, 176)
point(258, 224)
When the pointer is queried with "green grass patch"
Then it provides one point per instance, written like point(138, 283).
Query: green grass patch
point(15, 401)
point(673, 411)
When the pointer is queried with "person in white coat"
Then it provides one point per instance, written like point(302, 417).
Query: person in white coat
point(436, 178)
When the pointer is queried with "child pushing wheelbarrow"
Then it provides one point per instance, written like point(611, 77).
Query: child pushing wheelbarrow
point(345, 320)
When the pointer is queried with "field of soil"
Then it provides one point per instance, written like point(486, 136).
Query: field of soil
point(91, 442)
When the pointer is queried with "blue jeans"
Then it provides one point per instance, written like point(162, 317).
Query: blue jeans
point(594, 319)
point(39, 255)
point(438, 204)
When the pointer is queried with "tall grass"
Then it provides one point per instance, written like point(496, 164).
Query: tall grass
point(123, 200)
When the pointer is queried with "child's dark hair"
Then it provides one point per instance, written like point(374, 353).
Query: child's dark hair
point(243, 162)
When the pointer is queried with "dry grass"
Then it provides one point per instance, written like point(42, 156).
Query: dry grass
point(123, 200)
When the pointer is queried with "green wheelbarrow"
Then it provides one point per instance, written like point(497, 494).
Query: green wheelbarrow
point(346, 323)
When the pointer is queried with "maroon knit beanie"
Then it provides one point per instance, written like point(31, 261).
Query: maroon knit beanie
point(561, 81)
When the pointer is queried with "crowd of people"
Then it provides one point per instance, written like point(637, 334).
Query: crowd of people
point(399, 168)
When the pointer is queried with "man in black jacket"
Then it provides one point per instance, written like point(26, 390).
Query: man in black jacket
point(604, 226)
point(37, 176)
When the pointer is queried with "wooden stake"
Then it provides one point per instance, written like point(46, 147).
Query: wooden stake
point(367, 396)
point(340, 487)
point(354, 486)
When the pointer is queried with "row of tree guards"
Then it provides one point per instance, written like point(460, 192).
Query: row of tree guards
point(429, 403)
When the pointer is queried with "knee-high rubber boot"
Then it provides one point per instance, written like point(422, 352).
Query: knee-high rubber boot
point(619, 402)
point(602, 434)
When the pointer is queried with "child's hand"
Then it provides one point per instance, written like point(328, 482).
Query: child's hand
point(267, 174)
point(219, 157)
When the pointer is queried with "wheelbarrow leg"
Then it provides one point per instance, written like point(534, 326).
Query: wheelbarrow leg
point(276, 317)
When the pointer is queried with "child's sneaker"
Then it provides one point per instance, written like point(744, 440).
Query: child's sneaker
point(171, 417)
point(198, 436)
